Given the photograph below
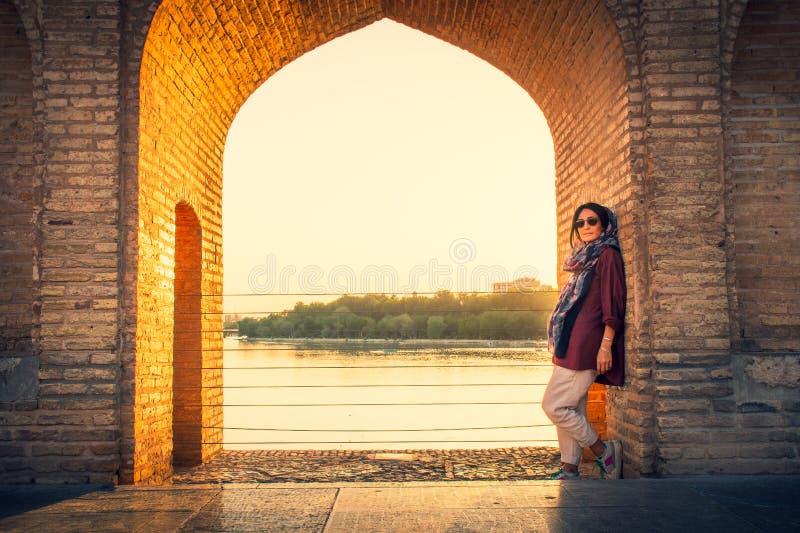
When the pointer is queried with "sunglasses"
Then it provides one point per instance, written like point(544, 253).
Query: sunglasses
point(592, 221)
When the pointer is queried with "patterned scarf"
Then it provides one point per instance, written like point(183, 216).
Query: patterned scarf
point(581, 263)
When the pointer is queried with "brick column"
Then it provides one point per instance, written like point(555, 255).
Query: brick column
point(686, 230)
point(79, 371)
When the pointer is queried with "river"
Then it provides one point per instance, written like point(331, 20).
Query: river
point(384, 395)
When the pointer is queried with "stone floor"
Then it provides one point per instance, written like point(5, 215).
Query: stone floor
point(684, 505)
point(304, 466)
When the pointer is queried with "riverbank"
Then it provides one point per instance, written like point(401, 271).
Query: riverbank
point(406, 343)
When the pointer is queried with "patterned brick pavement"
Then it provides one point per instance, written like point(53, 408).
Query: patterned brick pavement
point(325, 466)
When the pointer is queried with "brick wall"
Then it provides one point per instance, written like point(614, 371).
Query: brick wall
point(688, 317)
point(79, 371)
point(69, 431)
point(708, 397)
point(764, 161)
point(762, 167)
point(19, 363)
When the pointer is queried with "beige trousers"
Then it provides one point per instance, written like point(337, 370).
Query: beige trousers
point(564, 403)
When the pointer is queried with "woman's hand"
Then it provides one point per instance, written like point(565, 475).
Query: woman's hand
point(604, 352)
point(603, 359)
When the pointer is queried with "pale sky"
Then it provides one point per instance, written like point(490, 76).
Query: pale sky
point(385, 161)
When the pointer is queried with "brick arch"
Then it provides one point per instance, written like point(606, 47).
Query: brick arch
point(730, 19)
point(202, 60)
point(19, 381)
point(761, 159)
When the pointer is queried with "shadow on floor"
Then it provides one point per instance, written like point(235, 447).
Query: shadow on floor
point(17, 499)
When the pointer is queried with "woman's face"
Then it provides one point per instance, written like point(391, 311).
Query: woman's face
point(589, 232)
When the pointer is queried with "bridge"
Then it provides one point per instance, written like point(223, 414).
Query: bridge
point(682, 116)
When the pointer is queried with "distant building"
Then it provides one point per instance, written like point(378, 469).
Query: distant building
point(521, 285)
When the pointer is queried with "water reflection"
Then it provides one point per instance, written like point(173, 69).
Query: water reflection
point(286, 396)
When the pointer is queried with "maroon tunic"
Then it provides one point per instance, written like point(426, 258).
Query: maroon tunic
point(604, 305)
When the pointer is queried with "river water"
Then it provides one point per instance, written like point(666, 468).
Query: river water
point(356, 395)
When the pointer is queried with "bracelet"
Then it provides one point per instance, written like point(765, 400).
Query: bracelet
point(604, 349)
point(607, 339)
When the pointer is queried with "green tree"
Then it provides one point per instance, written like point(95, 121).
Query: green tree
point(283, 327)
point(436, 327)
point(469, 327)
point(384, 327)
point(445, 315)
point(403, 325)
point(369, 329)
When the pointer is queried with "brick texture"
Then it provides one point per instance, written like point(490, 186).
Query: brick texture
point(688, 315)
point(764, 165)
point(69, 431)
point(187, 361)
point(17, 233)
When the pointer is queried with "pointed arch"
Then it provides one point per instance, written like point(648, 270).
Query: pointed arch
point(201, 60)
point(762, 162)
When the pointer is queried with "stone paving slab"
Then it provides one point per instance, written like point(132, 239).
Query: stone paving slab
point(244, 509)
point(447, 496)
point(133, 501)
point(546, 506)
point(684, 505)
point(101, 509)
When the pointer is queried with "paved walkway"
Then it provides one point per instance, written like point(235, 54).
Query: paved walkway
point(704, 503)
point(341, 466)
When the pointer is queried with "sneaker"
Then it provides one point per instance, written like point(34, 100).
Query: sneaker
point(564, 474)
point(610, 463)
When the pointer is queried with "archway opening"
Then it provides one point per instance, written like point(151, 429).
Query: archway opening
point(202, 60)
point(388, 163)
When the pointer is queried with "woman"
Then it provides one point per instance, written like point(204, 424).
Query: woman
point(585, 335)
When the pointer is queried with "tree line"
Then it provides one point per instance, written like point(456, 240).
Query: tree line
point(445, 315)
